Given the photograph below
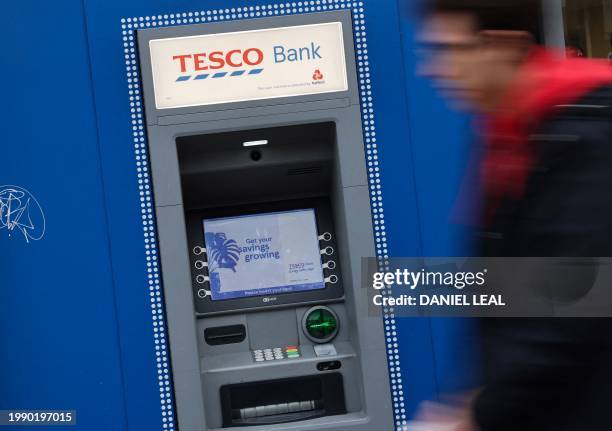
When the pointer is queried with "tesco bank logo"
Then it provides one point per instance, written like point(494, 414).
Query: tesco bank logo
point(238, 62)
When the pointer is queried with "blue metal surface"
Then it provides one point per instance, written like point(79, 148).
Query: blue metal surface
point(75, 306)
point(58, 322)
point(441, 146)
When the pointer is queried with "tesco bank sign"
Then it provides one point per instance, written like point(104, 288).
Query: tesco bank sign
point(249, 65)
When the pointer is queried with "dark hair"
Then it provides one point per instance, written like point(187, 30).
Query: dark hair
point(493, 14)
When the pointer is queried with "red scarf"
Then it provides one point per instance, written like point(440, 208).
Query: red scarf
point(545, 81)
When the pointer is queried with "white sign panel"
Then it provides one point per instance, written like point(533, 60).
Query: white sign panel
point(248, 65)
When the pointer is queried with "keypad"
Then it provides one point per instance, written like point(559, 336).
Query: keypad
point(276, 354)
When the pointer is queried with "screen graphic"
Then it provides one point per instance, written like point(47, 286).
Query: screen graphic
point(263, 254)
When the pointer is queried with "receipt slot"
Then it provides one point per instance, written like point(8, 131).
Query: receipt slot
point(263, 216)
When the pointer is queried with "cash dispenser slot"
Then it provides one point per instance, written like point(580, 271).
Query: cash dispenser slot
point(282, 401)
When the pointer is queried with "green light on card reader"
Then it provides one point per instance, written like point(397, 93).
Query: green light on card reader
point(321, 324)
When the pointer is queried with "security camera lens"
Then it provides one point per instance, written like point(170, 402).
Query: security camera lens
point(256, 155)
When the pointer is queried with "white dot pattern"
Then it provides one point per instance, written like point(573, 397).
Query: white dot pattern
point(129, 25)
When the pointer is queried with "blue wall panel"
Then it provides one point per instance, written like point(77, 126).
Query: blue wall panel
point(58, 325)
point(441, 142)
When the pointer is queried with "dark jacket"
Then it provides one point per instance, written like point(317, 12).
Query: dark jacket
point(545, 374)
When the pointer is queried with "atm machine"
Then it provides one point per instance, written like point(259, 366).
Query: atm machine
point(263, 215)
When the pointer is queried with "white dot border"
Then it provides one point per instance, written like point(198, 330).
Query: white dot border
point(128, 26)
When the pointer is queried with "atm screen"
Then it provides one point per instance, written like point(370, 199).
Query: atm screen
point(263, 254)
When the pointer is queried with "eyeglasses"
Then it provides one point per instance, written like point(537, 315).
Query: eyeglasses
point(436, 49)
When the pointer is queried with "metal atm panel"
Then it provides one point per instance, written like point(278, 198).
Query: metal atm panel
point(313, 160)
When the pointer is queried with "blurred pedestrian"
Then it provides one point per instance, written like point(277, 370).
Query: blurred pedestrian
point(546, 178)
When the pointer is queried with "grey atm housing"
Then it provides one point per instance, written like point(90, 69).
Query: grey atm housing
point(316, 151)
